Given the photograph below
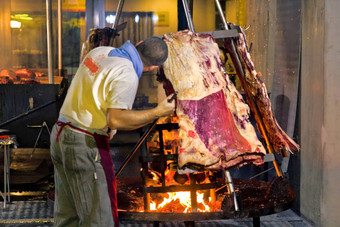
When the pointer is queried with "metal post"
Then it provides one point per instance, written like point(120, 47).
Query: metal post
point(118, 12)
point(147, 199)
point(231, 188)
point(162, 151)
point(115, 24)
point(49, 42)
point(219, 8)
point(5, 176)
point(8, 150)
point(146, 133)
point(193, 194)
point(60, 61)
point(256, 222)
point(212, 191)
point(188, 15)
point(212, 195)
point(94, 14)
point(6, 195)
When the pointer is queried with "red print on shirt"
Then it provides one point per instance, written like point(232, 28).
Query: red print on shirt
point(92, 66)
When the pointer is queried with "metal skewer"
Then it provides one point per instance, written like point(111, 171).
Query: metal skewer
point(115, 25)
point(118, 12)
point(173, 96)
point(146, 133)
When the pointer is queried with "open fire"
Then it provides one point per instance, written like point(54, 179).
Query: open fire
point(180, 202)
point(166, 190)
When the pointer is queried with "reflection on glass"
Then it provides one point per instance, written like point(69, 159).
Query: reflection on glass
point(24, 31)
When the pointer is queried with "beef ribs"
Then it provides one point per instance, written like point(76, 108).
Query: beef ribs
point(215, 131)
point(280, 141)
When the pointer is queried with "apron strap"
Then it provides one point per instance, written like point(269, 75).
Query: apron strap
point(63, 124)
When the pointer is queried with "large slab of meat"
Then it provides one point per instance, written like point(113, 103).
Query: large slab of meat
point(280, 141)
point(215, 131)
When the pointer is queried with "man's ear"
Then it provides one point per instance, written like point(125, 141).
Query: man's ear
point(150, 68)
point(138, 43)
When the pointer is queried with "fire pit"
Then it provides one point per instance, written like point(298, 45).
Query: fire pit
point(157, 198)
point(253, 198)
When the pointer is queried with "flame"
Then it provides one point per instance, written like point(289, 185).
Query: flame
point(154, 175)
point(153, 205)
point(173, 201)
point(184, 200)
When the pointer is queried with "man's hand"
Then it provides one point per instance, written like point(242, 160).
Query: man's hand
point(119, 119)
point(166, 107)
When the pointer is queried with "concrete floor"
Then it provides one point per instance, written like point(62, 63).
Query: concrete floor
point(38, 213)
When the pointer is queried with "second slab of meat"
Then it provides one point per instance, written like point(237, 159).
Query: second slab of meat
point(257, 89)
point(215, 130)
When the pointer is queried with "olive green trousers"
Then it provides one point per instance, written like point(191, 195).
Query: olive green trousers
point(81, 194)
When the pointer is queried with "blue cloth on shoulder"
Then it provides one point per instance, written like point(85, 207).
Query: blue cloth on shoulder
point(129, 51)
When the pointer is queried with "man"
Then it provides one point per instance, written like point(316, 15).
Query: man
point(99, 100)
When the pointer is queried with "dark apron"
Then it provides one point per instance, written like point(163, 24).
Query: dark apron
point(103, 146)
point(107, 163)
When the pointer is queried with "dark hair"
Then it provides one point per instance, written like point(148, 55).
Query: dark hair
point(100, 36)
point(153, 51)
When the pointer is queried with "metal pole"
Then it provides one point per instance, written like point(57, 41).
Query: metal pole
point(8, 150)
point(219, 8)
point(60, 61)
point(212, 195)
point(118, 12)
point(115, 24)
point(5, 176)
point(188, 15)
point(193, 193)
point(231, 188)
point(27, 113)
point(146, 133)
point(49, 42)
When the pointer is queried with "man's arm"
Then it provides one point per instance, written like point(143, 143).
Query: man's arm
point(132, 119)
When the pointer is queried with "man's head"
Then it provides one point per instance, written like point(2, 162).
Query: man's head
point(153, 52)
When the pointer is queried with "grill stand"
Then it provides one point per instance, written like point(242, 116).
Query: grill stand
point(227, 33)
point(6, 141)
point(44, 125)
point(162, 158)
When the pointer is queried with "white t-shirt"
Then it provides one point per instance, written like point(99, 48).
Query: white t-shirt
point(101, 82)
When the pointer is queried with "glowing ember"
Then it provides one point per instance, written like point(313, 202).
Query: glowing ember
point(179, 202)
